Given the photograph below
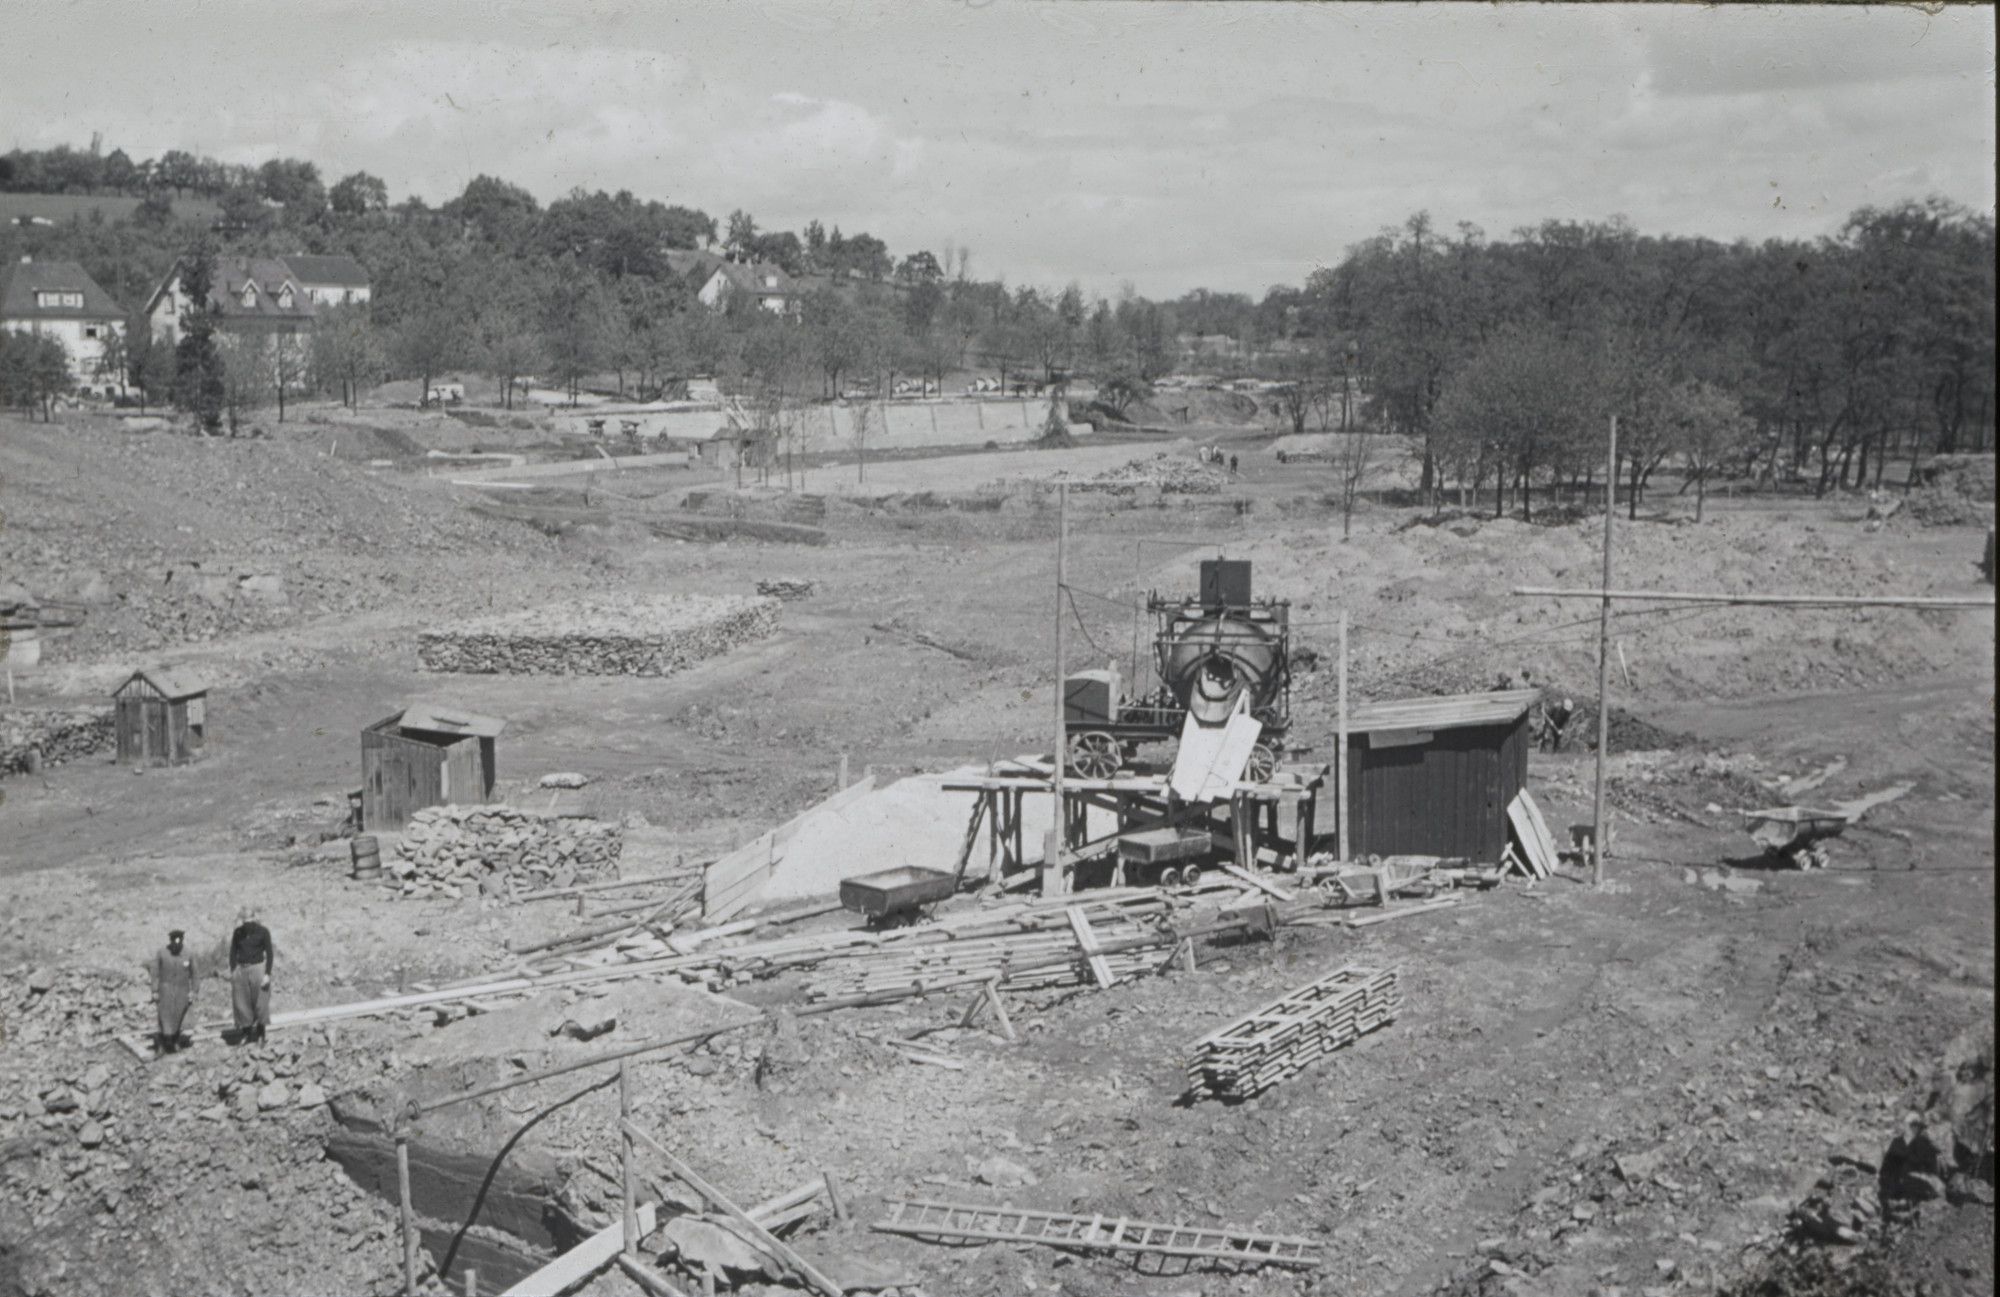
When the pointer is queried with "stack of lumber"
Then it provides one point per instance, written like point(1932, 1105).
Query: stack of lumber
point(1026, 947)
point(1286, 1036)
point(643, 635)
point(497, 850)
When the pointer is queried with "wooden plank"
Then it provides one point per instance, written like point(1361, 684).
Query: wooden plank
point(581, 1261)
point(1536, 845)
point(1403, 911)
point(774, 1245)
point(1236, 871)
point(648, 1278)
point(1080, 925)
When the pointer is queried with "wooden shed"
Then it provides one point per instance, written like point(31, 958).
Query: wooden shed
point(1434, 776)
point(425, 756)
point(161, 718)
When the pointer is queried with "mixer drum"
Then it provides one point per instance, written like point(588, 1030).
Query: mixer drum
point(1212, 663)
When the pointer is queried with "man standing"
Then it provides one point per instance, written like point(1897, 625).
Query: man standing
point(250, 957)
point(173, 990)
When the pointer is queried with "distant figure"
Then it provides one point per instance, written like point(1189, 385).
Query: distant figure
point(250, 959)
point(1232, 465)
point(1557, 718)
point(172, 970)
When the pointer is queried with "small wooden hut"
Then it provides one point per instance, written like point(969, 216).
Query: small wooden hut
point(1434, 776)
point(425, 756)
point(161, 718)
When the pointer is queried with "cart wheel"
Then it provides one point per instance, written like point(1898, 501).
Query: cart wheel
point(1262, 765)
point(1170, 877)
point(1094, 754)
point(1190, 875)
point(1331, 894)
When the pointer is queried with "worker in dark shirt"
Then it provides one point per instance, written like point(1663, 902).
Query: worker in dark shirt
point(250, 958)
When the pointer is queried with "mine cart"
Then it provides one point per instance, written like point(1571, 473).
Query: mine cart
point(894, 896)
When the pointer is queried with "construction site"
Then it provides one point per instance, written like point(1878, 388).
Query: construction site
point(1114, 868)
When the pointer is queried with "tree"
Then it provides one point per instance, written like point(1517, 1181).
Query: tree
point(429, 342)
point(1708, 426)
point(155, 211)
point(345, 349)
point(200, 385)
point(576, 328)
point(360, 195)
point(511, 352)
point(246, 375)
point(114, 362)
point(741, 238)
point(34, 371)
point(1525, 403)
point(153, 370)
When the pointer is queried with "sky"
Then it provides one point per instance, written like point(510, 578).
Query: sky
point(1164, 146)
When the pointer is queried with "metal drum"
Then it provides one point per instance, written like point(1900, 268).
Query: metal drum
point(367, 856)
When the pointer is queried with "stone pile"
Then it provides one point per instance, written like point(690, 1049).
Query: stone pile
point(456, 851)
point(50, 736)
point(47, 1006)
point(786, 590)
point(641, 635)
point(1170, 475)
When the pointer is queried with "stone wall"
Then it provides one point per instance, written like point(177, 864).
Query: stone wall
point(643, 635)
point(496, 850)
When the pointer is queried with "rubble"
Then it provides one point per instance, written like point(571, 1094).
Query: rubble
point(31, 737)
point(1171, 475)
point(643, 635)
point(787, 590)
point(494, 850)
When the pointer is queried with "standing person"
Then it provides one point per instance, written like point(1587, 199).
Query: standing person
point(250, 958)
point(172, 971)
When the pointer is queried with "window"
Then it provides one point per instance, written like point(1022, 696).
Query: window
point(285, 297)
point(50, 298)
point(90, 331)
point(249, 294)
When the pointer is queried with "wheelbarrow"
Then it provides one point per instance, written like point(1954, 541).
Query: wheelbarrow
point(1794, 833)
point(892, 897)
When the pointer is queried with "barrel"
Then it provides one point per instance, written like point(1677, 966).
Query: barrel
point(367, 856)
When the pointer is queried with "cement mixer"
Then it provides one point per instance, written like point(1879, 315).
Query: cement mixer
point(1213, 653)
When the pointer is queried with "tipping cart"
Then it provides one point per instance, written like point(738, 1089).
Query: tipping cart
point(1794, 833)
point(892, 897)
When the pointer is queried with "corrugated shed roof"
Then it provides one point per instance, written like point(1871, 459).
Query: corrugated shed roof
point(171, 682)
point(26, 278)
point(446, 719)
point(1452, 711)
point(333, 272)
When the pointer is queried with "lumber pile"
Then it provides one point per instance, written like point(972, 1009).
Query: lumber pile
point(643, 635)
point(498, 850)
point(1026, 947)
point(1286, 1036)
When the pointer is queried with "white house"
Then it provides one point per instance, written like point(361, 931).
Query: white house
point(275, 296)
point(59, 299)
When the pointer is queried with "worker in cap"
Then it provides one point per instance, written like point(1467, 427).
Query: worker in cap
point(172, 971)
point(250, 959)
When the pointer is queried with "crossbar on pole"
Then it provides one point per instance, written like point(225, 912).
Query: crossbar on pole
point(1797, 600)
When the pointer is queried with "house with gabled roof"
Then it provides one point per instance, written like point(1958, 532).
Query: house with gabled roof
point(59, 299)
point(272, 296)
point(764, 282)
point(330, 281)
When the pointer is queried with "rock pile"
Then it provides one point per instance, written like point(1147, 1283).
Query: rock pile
point(643, 635)
point(1172, 476)
point(786, 590)
point(454, 851)
point(48, 1006)
point(50, 736)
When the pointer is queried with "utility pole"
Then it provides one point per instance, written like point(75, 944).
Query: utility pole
point(1597, 825)
point(1340, 798)
point(1053, 883)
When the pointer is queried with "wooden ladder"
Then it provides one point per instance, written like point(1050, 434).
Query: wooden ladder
point(919, 1218)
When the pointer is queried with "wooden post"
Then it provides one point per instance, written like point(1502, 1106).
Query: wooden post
point(1053, 882)
point(626, 1169)
point(833, 1194)
point(471, 1277)
point(1604, 664)
point(408, 1214)
point(843, 773)
point(1345, 841)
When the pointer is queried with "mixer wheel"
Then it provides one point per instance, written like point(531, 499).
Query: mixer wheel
point(1262, 765)
point(1094, 754)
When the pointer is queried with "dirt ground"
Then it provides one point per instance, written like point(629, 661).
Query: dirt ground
point(1736, 1026)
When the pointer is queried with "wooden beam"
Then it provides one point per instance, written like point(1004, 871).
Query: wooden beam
point(1238, 872)
point(1790, 600)
point(774, 1245)
point(583, 1260)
